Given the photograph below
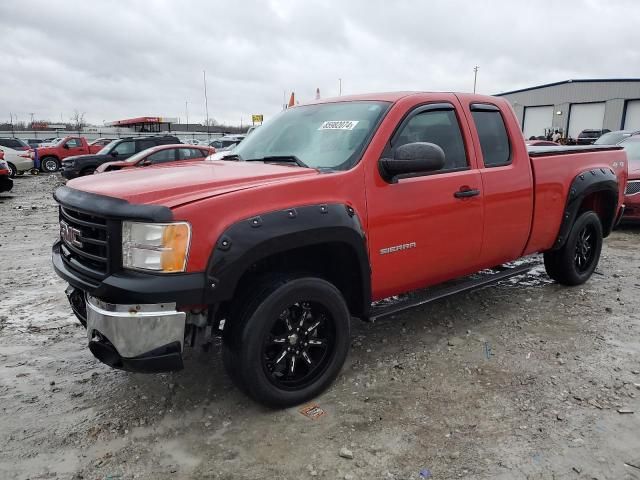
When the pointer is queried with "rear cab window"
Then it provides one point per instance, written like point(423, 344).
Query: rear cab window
point(493, 136)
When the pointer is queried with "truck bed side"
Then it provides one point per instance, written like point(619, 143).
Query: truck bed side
point(554, 172)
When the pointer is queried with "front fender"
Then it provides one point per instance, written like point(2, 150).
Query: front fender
point(253, 239)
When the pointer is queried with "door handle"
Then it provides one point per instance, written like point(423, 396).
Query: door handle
point(466, 193)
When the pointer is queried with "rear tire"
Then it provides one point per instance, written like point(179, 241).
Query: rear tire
point(290, 342)
point(49, 164)
point(13, 171)
point(575, 262)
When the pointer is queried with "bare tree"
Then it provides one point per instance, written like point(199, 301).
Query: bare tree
point(78, 120)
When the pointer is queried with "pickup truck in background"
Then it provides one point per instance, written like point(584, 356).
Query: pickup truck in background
point(51, 157)
point(314, 217)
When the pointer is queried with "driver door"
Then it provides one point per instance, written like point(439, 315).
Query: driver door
point(424, 229)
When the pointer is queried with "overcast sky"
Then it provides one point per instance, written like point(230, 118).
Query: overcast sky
point(116, 59)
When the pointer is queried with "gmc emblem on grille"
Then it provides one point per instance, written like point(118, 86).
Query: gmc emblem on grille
point(69, 234)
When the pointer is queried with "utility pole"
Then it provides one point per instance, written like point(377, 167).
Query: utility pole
point(186, 111)
point(11, 122)
point(340, 87)
point(32, 114)
point(475, 77)
point(206, 102)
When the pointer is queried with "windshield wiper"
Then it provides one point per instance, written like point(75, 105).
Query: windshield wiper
point(280, 158)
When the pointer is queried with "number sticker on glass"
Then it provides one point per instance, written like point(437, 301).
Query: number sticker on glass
point(339, 125)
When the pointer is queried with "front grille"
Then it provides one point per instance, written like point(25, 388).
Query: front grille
point(633, 187)
point(87, 250)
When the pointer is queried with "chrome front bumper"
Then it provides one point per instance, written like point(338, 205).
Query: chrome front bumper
point(124, 334)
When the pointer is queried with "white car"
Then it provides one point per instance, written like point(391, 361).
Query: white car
point(19, 161)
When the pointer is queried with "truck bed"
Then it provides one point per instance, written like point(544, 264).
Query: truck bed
point(554, 168)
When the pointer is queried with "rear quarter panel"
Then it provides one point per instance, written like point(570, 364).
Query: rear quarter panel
point(553, 176)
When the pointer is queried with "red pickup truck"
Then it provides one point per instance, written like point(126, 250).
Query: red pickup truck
point(313, 218)
point(51, 157)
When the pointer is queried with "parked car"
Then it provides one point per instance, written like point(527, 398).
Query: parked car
point(278, 250)
point(14, 143)
point(541, 143)
point(160, 155)
point(18, 161)
point(51, 157)
point(102, 142)
point(631, 145)
point(34, 142)
point(224, 143)
point(6, 184)
point(615, 137)
point(587, 137)
point(120, 149)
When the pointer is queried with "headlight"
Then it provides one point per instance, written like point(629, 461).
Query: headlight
point(160, 247)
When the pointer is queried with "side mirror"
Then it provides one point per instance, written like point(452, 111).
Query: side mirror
point(65, 146)
point(145, 163)
point(412, 158)
point(114, 153)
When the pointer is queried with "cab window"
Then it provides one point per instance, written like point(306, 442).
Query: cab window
point(74, 143)
point(440, 127)
point(494, 139)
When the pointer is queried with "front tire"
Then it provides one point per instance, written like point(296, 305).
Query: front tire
point(50, 164)
point(575, 262)
point(290, 342)
point(13, 171)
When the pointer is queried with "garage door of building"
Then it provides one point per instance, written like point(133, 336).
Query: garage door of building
point(585, 116)
point(536, 120)
point(632, 115)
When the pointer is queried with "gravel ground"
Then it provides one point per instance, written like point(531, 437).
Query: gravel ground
point(526, 379)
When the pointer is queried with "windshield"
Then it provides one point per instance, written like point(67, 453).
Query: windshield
point(329, 135)
point(611, 138)
point(632, 147)
point(105, 150)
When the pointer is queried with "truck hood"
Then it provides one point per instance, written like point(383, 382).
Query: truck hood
point(178, 184)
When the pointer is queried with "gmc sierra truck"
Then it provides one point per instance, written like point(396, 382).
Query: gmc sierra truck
point(312, 220)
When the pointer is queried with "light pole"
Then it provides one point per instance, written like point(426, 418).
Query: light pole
point(340, 87)
point(475, 77)
point(206, 103)
point(186, 111)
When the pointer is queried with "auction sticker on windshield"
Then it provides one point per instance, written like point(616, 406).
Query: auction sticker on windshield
point(338, 125)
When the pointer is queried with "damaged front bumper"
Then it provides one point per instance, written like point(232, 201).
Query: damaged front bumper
point(137, 337)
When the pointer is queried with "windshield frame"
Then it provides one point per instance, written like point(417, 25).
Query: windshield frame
point(356, 157)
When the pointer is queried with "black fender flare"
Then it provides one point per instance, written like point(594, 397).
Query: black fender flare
point(250, 240)
point(583, 185)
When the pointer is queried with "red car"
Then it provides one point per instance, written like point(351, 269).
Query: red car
point(324, 210)
point(51, 157)
point(160, 155)
point(632, 192)
point(6, 184)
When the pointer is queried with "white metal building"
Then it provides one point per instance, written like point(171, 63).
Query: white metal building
point(575, 105)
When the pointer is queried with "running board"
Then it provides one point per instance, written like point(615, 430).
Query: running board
point(384, 308)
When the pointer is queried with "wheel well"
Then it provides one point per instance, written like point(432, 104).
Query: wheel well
point(335, 262)
point(603, 203)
